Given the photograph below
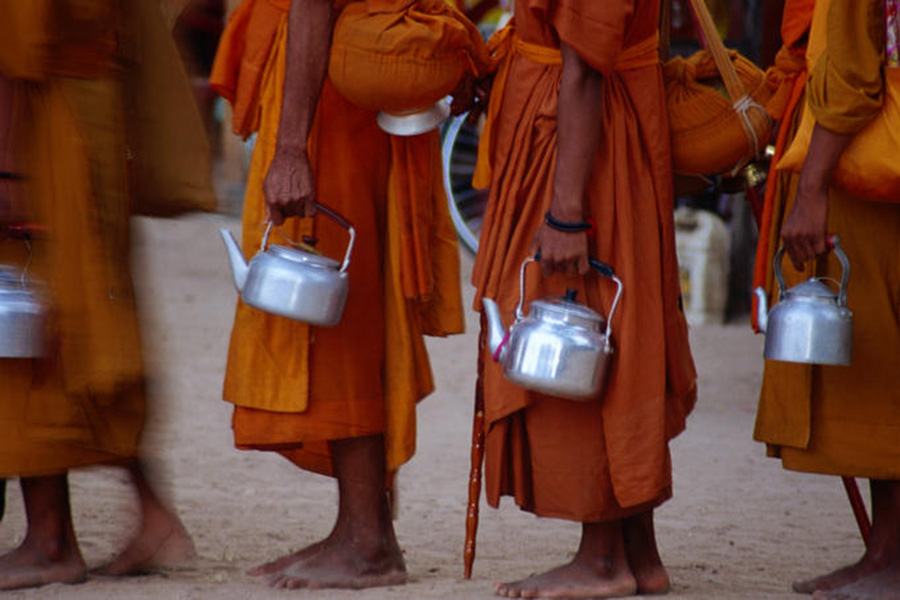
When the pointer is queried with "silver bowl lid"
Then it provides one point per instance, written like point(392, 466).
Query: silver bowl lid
point(414, 123)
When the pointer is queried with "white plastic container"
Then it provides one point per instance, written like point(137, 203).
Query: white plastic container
point(702, 243)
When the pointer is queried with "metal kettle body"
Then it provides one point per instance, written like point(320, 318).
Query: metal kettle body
point(291, 282)
point(562, 348)
point(22, 316)
point(810, 323)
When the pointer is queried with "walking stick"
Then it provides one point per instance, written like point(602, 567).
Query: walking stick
point(477, 460)
point(859, 509)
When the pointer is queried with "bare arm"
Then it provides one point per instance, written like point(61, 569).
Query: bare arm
point(579, 130)
point(804, 231)
point(289, 187)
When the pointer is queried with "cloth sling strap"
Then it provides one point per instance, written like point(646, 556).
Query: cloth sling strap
point(505, 44)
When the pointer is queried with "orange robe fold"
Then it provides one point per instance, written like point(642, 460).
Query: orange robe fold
point(604, 459)
point(295, 387)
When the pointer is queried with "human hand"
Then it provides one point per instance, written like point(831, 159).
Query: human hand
point(561, 252)
point(471, 95)
point(289, 187)
point(804, 232)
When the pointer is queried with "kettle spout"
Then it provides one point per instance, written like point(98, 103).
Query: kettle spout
point(496, 332)
point(762, 309)
point(239, 266)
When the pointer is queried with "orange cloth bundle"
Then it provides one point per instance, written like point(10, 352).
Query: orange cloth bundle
point(715, 128)
point(403, 55)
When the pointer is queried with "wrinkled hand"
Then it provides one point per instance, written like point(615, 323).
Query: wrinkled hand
point(289, 187)
point(804, 232)
point(561, 252)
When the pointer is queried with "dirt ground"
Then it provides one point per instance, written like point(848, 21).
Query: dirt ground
point(738, 526)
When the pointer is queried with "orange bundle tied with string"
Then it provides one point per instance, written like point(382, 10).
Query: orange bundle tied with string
point(715, 131)
point(402, 56)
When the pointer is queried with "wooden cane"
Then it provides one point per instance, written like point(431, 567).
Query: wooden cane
point(859, 509)
point(477, 458)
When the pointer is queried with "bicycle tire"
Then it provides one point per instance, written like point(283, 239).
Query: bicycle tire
point(459, 151)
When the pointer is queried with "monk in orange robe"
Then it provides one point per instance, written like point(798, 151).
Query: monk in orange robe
point(340, 400)
point(841, 420)
point(82, 403)
point(577, 131)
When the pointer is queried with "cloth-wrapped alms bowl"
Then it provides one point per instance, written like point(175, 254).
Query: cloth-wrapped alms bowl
point(403, 56)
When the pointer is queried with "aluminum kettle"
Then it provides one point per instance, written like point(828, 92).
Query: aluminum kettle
point(810, 323)
point(562, 348)
point(22, 316)
point(292, 282)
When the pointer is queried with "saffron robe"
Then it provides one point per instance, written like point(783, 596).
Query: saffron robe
point(833, 419)
point(296, 387)
point(606, 458)
point(83, 403)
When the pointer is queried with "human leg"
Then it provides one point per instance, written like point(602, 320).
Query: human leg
point(883, 550)
point(161, 539)
point(598, 570)
point(49, 553)
point(362, 549)
point(643, 555)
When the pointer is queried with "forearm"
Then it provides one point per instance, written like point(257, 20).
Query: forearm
point(308, 45)
point(825, 149)
point(579, 130)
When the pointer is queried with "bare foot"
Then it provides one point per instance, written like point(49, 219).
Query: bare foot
point(577, 579)
point(884, 585)
point(155, 547)
point(345, 563)
point(283, 562)
point(30, 566)
point(643, 555)
point(842, 577)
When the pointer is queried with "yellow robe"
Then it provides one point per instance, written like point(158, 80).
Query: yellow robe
point(296, 387)
point(844, 420)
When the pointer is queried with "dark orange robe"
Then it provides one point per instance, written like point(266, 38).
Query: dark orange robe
point(833, 419)
point(296, 387)
point(607, 458)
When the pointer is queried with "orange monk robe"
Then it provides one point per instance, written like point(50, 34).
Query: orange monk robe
point(84, 403)
point(843, 420)
point(605, 459)
point(296, 387)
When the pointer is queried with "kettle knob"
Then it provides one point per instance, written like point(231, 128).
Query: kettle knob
point(570, 295)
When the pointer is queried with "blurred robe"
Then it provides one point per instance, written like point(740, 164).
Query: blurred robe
point(296, 387)
point(608, 457)
point(841, 420)
point(83, 403)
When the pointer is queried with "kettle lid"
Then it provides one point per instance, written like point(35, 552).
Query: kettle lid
point(811, 288)
point(567, 310)
point(301, 256)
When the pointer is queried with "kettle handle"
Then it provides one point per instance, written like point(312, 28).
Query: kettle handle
point(601, 267)
point(335, 217)
point(834, 243)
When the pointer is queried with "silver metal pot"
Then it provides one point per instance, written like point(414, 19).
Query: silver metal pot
point(810, 323)
point(562, 348)
point(22, 316)
point(291, 282)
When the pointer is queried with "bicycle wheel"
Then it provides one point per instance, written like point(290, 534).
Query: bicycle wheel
point(460, 153)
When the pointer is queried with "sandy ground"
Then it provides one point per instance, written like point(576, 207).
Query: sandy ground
point(738, 527)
